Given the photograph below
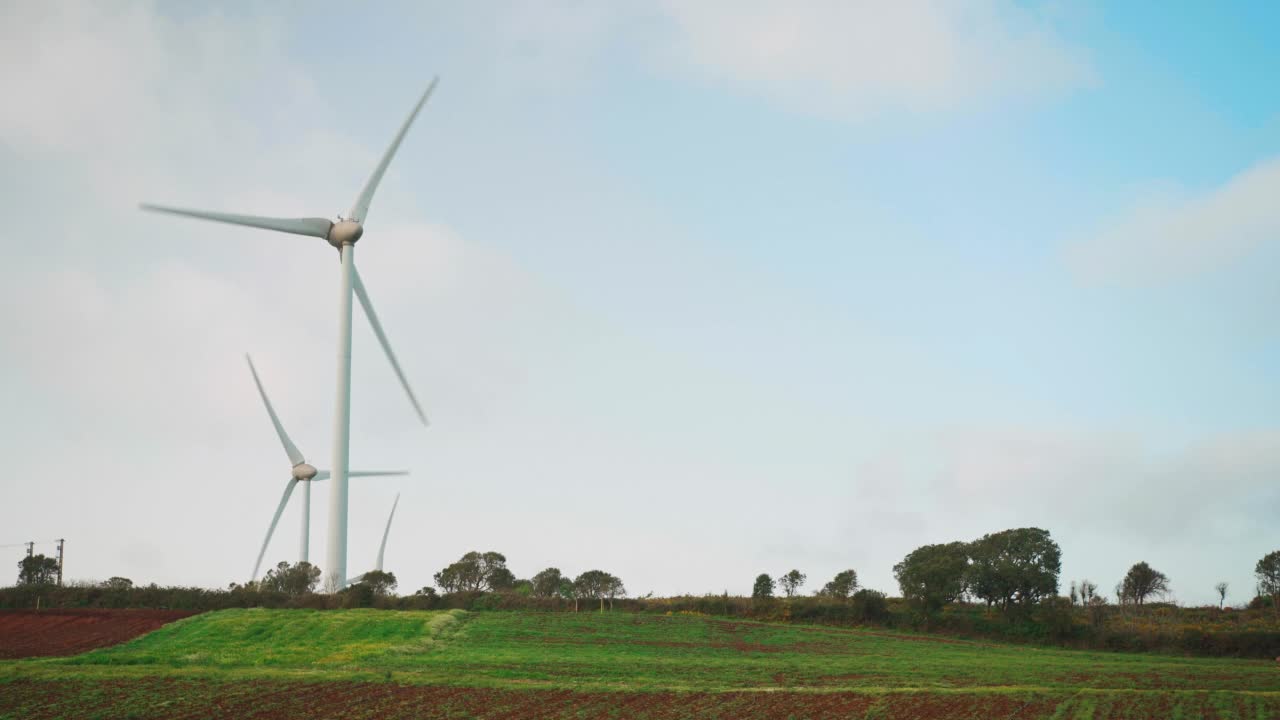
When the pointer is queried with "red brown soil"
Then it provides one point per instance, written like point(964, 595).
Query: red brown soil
point(263, 699)
point(39, 633)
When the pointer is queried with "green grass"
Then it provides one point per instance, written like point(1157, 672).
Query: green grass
point(624, 652)
point(308, 639)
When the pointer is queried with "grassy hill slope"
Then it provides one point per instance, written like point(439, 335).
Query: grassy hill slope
point(580, 659)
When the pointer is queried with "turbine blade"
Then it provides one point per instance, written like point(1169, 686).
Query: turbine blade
point(358, 286)
point(383, 547)
point(360, 210)
point(290, 449)
point(315, 227)
point(284, 500)
point(325, 474)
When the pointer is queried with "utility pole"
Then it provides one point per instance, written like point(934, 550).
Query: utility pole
point(31, 548)
point(61, 541)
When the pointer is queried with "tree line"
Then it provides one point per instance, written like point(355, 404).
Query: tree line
point(488, 572)
point(1016, 569)
point(474, 572)
point(1011, 570)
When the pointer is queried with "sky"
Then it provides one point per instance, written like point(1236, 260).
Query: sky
point(690, 291)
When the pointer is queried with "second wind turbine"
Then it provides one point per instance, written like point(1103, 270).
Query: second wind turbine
point(342, 235)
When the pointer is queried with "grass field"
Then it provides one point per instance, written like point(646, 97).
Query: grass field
point(281, 663)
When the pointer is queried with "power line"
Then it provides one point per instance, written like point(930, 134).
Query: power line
point(30, 542)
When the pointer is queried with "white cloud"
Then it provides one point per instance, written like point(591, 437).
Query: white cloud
point(1109, 498)
point(116, 83)
point(827, 57)
point(126, 330)
point(1172, 235)
point(124, 349)
point(856, 59)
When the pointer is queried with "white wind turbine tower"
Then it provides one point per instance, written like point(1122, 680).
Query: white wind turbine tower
point(304, 473)
point(342, 235)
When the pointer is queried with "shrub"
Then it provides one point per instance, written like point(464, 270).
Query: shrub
point(870, 606)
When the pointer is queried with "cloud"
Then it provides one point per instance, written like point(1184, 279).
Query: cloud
point(1169, 235)
point(854, 59)
point(123, 332)
point(1110, 482)
point(847, 60)
point(1096, 491)
point(108, 83)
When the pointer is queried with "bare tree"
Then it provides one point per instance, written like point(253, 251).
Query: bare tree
point(1222, 593)
point(1088, 591)
point(1143, 581)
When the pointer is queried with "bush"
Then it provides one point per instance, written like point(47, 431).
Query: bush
point(870, 606)
point(358, 595)
point(1057, 616)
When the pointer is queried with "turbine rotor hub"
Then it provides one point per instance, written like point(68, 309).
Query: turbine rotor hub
point(304, 472)
point(345, 232)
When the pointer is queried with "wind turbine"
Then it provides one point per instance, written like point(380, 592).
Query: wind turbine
point(342, 235)
point(382, 548)
point(306, 474)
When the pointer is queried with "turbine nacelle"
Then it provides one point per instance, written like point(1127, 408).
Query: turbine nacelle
point(345, 232)
point(304, 472)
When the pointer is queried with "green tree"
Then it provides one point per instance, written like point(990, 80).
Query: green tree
point(356, 595)
point(567, 591)
point(841, 586)
point(37, 570)
point(1014, 567)
point(614, 589)
point(300, 578)
point(933, 575)
point(763, 589)
point(501, 579)
point(1268, 573)
point(118, 583)
point(1142, 582)
point(476, 571)
point(791, 582)
point(547, 583)
point(381, 583)
point(598, 584)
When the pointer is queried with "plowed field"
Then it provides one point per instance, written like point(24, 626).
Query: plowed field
point(42, 633)
point(191, 699)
